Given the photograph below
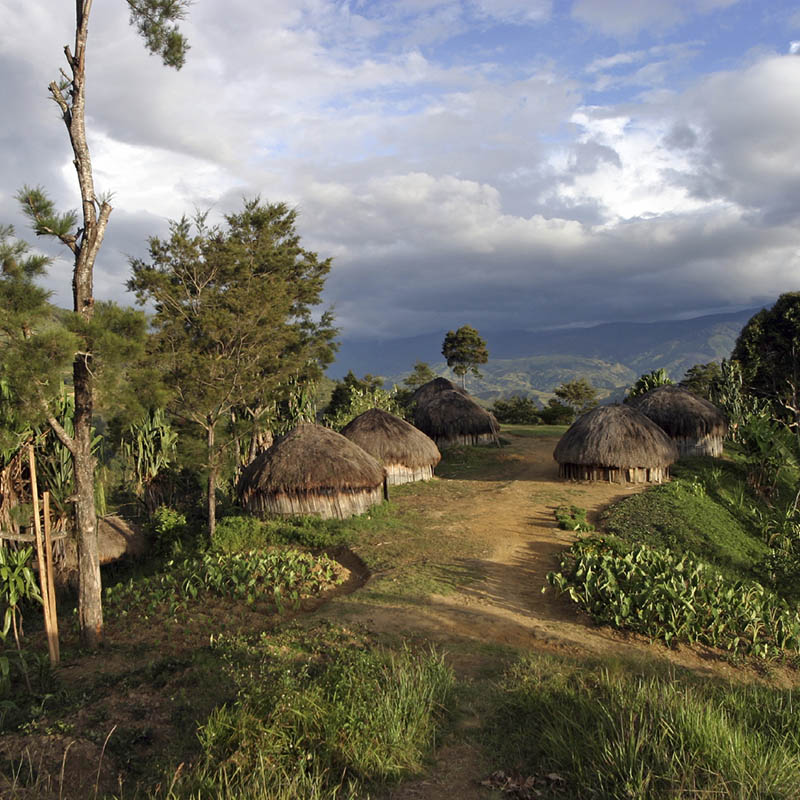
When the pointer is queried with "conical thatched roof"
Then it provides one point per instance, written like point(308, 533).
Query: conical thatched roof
point(616, 436)
point(311, 459)
point(681, 413)
point(454, 417)
point(434, 388)
point(391, 439)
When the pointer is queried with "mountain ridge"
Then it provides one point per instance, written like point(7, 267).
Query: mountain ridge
point(610, 355)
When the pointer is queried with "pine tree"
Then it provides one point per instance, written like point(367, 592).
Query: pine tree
point(232, 317)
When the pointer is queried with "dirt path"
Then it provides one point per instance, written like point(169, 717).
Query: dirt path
point(510, 519)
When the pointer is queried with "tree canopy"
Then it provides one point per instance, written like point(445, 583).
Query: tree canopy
point(768, 351)
point(420, 375)
point(464, 350)
point(233, 315)
point(578, 394)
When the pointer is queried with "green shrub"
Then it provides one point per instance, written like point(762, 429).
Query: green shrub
point(572, 518)
point(516, 410)
point(168, 529)
point(630, 732)
point(672, 598)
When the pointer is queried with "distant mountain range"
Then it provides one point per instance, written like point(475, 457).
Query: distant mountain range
point(611, 356)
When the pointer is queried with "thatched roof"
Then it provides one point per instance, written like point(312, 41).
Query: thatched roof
point(391, 439)
point(615, 436)
point(311, 459)
point(449, 414)
point(434, 388)
point(681, 413)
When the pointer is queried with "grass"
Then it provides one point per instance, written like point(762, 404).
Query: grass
point(627, 731)
point(704, 510)
point(325, 709)
point(535, 431)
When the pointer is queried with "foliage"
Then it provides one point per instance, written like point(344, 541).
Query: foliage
point(233, 317)
point(769, 449)
point(361, 400)
point(731, 396)
point(636, 730)
point(420, 375)
point(700, 379)
point(555, 413)
point(17, 585)
point(464, 350)
point(329, 707)
point(341, 396)
point(148, 448)
point(768, 351)
point(572, 518)
point(168, 529)
point(648, 381)
point(277, 577)
point(516, 410)
point(676, 598)
point(578, 394)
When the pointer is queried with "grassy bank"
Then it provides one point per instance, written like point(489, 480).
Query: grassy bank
point(633, 731)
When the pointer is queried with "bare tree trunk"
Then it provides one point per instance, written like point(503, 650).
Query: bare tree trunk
point(212, 483)
point(90, 608)
point(85, 247)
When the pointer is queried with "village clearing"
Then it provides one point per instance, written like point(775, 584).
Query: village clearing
point(458, 563)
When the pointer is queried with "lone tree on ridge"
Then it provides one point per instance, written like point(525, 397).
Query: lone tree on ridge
point(464, 350)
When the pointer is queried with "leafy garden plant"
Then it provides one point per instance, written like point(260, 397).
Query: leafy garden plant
point(676, 598)
point(572, 518)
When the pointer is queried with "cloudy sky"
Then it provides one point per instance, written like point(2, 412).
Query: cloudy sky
point(501, 163)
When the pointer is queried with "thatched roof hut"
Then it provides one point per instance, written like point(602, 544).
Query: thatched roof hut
point(433, 389)
point(696, 426)
point(452, 418)
point(406, 453)
point(312, 470)
point(617, 444)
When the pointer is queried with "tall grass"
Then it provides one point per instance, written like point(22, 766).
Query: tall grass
point(612, 733)
point(317, 721)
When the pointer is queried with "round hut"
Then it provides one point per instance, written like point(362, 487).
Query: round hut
point(452, 418)
point(696, 426)
point(406, 453)
point(617, 444)
point(312, 470)
point(433, 389)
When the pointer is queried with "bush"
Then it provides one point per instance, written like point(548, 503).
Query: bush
point(556, 413)
point(516, 410)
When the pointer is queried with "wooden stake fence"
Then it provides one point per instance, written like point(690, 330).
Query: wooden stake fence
point(45, 564)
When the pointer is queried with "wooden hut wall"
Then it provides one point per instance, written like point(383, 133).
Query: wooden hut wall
point(399, 473)
point(327, 506)
point(466, 439)
point(705, 446)
point(592, 472)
